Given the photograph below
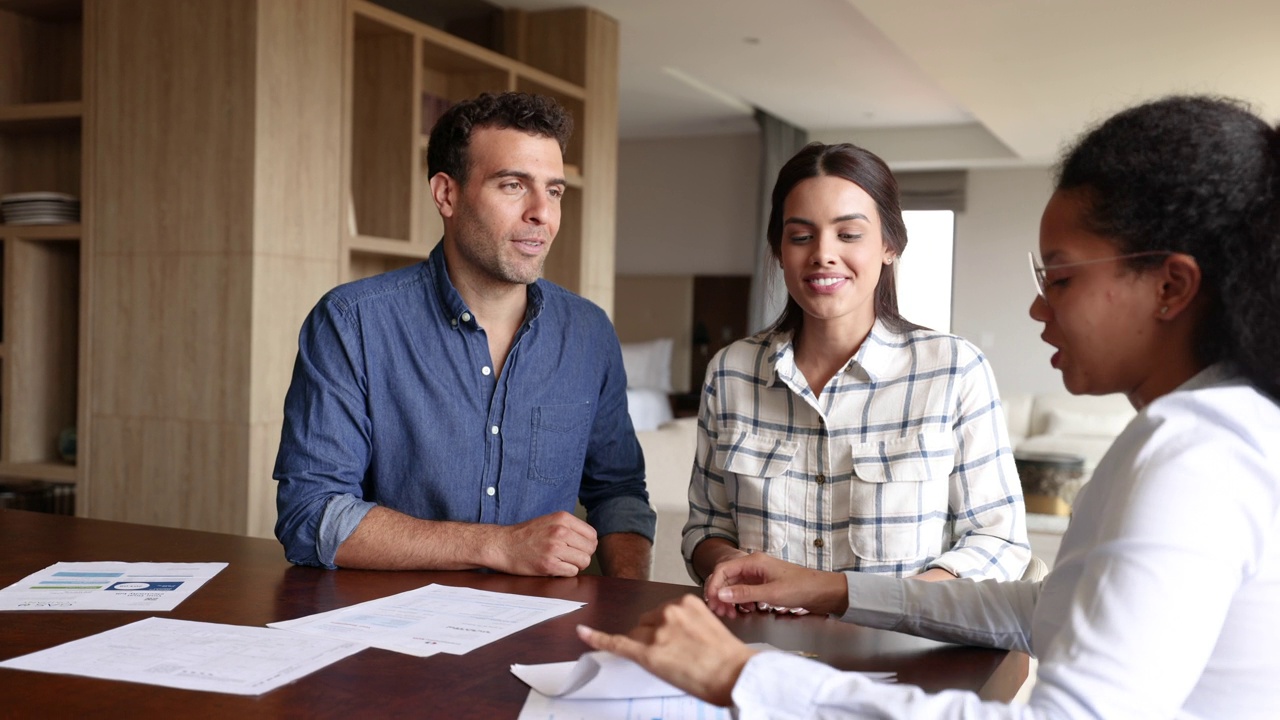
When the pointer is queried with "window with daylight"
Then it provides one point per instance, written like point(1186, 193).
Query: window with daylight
point(924, 271)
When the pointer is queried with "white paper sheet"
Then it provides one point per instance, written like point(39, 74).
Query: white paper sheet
point(191, 655)
point(683, 707)
point(594, 676)
point(433, 619)
point(152, 587)
point(602, 686)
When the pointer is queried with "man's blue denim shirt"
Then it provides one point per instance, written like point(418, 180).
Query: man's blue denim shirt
point(394, 403)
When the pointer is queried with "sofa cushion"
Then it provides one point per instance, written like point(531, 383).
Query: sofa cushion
point(1090, 448)
point(1061, 421)
point(1115, 405)
point(668, 462)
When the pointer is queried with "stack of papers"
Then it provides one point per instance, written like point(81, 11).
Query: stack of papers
point(604, 686)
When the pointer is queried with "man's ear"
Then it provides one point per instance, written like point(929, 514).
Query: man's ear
point(444, 191)
point(1180, 285)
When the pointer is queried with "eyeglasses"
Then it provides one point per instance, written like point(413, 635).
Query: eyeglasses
point(1038, 270)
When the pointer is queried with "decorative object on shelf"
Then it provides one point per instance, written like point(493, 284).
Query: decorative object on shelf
point(39, 208)
point(1050, 481)
point(433, 106)
point(67, 444)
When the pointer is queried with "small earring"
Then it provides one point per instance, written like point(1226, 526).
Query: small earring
point(1164, 309)
point(888, 260)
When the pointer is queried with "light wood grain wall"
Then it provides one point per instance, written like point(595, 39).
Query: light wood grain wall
point(298, 204)
point(214, 155)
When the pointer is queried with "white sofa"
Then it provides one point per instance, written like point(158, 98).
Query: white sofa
point(1052, 422)
point(1081, 425)
point(668, 461)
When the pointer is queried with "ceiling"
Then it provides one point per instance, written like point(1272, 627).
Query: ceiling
point(937, 83)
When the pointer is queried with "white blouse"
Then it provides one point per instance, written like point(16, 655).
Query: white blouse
point(1165, 601)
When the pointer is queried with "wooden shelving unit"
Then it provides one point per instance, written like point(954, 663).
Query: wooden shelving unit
point(231, 147)
point(402, 74)
point(41, 119)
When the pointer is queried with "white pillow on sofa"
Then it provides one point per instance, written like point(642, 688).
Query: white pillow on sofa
point(1086, 424)
point(648, 364)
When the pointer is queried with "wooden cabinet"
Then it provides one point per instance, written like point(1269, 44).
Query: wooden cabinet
point(42, 330)
point(403, 74)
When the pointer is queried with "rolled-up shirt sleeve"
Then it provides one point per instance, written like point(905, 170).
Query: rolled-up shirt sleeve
point(990, 528)
point(613, 489)
point(325, 442)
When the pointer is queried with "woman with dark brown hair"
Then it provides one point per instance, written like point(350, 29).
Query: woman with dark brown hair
point(845, 437)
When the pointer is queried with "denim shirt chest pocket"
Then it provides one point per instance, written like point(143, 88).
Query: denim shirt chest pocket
point(559, 444)
point(899, 496)
point(757, 465)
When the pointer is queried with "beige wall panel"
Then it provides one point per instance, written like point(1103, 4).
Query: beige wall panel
point(284, 291)
point(264, 442)
point(174, 83)
point(650, 307)
point(197, 484)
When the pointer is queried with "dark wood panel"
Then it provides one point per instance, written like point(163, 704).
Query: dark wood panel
point(720, 310)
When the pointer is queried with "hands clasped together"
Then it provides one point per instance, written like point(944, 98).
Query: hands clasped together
point(682, 641)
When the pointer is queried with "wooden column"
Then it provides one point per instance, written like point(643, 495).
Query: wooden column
point(214, 156)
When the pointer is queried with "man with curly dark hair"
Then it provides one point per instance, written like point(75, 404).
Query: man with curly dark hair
point(448, 415)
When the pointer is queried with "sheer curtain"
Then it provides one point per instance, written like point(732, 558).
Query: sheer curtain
point(779, 140)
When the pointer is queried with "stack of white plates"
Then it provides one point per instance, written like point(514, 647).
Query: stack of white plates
point(39, 208)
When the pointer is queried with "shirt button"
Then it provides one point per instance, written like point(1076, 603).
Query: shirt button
point(489, 491)
point(453, 322)
point(466, 317)
point(818, 543)
point(821, 479)
point(493, 430)
point(485, 370)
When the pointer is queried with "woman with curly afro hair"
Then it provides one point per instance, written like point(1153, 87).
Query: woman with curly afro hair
point(1158, 277)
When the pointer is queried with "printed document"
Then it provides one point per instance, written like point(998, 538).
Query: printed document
point(432, 619)
point(604, 686)
point(191, 655)
point(151, 587)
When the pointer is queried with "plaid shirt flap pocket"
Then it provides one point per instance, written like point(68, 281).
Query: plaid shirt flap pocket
point(744, 453)
point(915, 458)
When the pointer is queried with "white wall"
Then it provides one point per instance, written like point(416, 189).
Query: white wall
point(993, 287)
point(688, 205)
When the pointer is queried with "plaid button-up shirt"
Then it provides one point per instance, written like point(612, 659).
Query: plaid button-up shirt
point(900, 465)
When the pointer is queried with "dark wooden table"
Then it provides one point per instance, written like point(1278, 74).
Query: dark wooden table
point(259, 586)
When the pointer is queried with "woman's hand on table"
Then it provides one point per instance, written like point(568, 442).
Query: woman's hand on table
point(685, 645)
point(761, 580)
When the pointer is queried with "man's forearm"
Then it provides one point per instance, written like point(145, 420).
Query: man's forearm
point(625, 555)
point(389, 540)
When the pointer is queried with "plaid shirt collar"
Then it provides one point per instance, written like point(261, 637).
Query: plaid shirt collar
point(868, 364)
